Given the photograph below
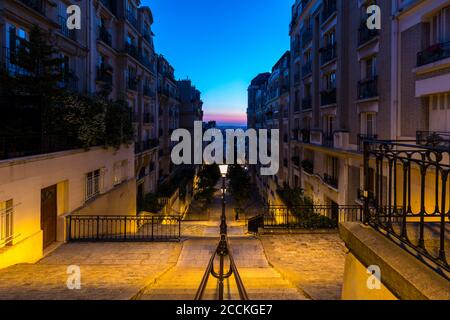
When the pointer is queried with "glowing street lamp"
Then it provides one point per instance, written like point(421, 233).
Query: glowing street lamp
point(223, 170)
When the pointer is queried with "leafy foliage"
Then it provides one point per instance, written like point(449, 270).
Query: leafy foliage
point(239, 184)
point(208, 176)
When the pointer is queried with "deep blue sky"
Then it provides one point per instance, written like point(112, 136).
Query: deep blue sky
point(221, 46)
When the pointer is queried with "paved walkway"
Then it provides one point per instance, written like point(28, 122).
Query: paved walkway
point(109, 271)
point(313, 262)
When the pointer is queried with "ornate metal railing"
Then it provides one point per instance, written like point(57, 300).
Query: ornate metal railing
point(38, 5)
point(433, 138)
point(363, 137)
point(328, 97)
point(123, 228)
point(368, 88)
point(365, 34)
point(411, 199)
point(304, 217)
point(328, 53)
point(105, 36)
point(434, 53)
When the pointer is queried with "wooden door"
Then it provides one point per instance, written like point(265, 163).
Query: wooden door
point(48, 215)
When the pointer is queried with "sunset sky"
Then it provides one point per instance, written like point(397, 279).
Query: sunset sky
point(221, 46)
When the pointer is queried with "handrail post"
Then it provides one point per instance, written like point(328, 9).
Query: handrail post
point(98, 227)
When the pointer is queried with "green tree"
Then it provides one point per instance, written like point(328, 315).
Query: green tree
point(239, 184)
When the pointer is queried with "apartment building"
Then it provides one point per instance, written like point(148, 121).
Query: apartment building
point(268, 108)
point(169, 115)
point(341, 95)
point(43, 181)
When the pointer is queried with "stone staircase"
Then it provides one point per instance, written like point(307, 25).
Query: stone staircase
point(261, 281)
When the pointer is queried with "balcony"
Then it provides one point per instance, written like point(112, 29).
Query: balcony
point(328, 53)
point(143, 146)
point(110, 5)
point(147, 36)
point(365, 34)
point(148, 92)
point(307, 68)
point(308, 166)
point(307, 103)
point(297, 78)
point(434, 53)
point(368, 88)
point(148, 118)
point(105, 36)
point(132, 83)
point(331, 181)
point(305, 136)
point(328, 140)
point(146, 62)
point(296, 161)
point(433, 139)
point(328, 10)
point(37, 5)
point(131, 50)
point(104, 74)
point(297, 106)
point(365, 137)
point(69, 33)
point(305, 3)
point(328, 97)
point(131, 18)
point(307, 35)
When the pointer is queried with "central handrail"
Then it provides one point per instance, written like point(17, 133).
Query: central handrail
point(223, 250)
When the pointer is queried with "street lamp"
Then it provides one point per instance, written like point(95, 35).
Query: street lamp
point(223, 224)
point(223, 170)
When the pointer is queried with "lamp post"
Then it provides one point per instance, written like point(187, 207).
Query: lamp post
point(222, 250)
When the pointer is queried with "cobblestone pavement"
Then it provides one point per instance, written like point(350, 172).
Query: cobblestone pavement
point(109, 271)
point(313, 262)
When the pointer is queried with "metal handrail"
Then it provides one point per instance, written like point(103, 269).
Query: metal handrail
point(223, 250)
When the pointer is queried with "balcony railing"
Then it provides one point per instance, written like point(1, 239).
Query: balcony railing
point(105, 36)
point(328, 53)
point(23, 145)
point(328, 140)
point(308, 166)
point(148, 117)
point(368, 88)
point(306, 68)
point(296, 161)
point(305, 136)
point(148, 91)
point(328, 9)
point(147, 36)
point(132, 19)
point(434, 53)
point(307, 35)
point(307, 103)
point(365, 34)
point(433, 138)
point(104, 74)
point(296, 78)
point(65, 31)
point(131, 50)
point(132, 83)
point(143, 146)
point(328, 97)
point(362, 138)
point(38, 5)
point(406, 213)
point(110, 4)
point(331, 181)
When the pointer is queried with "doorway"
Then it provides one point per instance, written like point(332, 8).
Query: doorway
point(48, 215)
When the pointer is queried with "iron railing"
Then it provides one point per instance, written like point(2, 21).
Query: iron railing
point(38, 5)
point(308, 166)
point(304, 217)
point(368, 88)
point(65, 31)
point(110, 4)
point(105, 74)
point(307, 68)
point(328, 97)
point(434, 53)
point(328, 9)
point(328, 53)
point(131, 18)
point(123, 228)
point(411, 198)
point(307, 36)
point(365, 34)
point(105, 36)
point(433, 138)
point(363, 137)
point(307, 103)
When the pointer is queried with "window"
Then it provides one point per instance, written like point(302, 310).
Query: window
point(329, 125)
point(370, 125)
point(370, 68)
point(333, 167)
point(6, 223)
point(93, 184)
point(330, 81)
point(440, 27)
point(120, 172)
